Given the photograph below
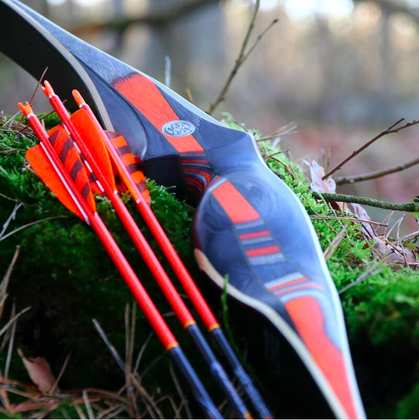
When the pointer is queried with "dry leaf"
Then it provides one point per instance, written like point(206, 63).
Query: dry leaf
point(322, 186)
point(397, 254)
point(39, 371)
point(317, 183)
point(360, 213)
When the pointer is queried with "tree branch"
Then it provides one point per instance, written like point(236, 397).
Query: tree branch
point(377, 174)
point(243, 56)
point(411, 207)
point(389, 130)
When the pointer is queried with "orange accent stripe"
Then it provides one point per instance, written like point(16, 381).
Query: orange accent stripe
point(262, 251)
point(138, 177)
point(234, 204)
point(309, 320)
point(188, 324)
point(171, 345)
point(295, 289)
point(146, 196)
point(212, 327)
point(155, 108)
point(288, 283)
point(254, 234)
point(128, 159)
point(118, 141)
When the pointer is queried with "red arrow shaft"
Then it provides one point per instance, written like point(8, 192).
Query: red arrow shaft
point(134, 284)
point(135, 233)
point(150, 219)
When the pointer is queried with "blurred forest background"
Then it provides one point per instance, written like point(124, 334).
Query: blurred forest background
point(342, 70)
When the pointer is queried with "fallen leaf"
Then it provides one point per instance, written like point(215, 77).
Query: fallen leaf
point(360, 213)
point(317, 183)
point(397, 254)
point(322, 186)
point(39, 371)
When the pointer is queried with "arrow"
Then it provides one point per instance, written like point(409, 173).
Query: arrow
point(83, 129)
point(64, 173)
point(118, 151)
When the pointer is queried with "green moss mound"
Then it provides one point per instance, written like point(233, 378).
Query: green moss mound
point(66, 278)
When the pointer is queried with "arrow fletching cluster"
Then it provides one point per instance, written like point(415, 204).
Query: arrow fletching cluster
point(78, 159)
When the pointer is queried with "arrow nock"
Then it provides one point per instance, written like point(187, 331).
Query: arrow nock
point(26, 109)
point(47, 89)
point(78, 98)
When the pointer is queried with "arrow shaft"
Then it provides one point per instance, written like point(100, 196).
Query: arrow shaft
point(144, 301)
point(183, 275)
point(152, 262)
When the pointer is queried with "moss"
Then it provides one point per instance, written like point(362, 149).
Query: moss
point(408, 408)
point(65, 276)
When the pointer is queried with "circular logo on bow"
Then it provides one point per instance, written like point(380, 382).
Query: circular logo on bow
point(178, 128)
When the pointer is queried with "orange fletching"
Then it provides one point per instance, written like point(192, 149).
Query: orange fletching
point(126, 158)
point(71, 159)
point(42, 166)
point(92, 136)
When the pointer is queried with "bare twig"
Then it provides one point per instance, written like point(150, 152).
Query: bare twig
point(258, 39)
point(37, 85)
point(57, 381)
point(411, 207)
point(364, 276)
point(11, 342)
point(87, 405)
point(397, 224)
point(410, 237)
point(110, 347)
point(189, 94)
point(346, 219)
point(79, 411)
point(30, 224)
point(276, 153)
point(181, 394)
point(140, 354)
point(390, 130)
point(9, 198)
point(6, 279)
point(167, 70)
point(12, 320)
point(243, 55)
point(288, 169)
point(328, 253)
point(129, 350)
point(241, 125)
point(4, 397)
point(148, 402)
point(376, 174)
point(10, 218)
point(289, 128)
